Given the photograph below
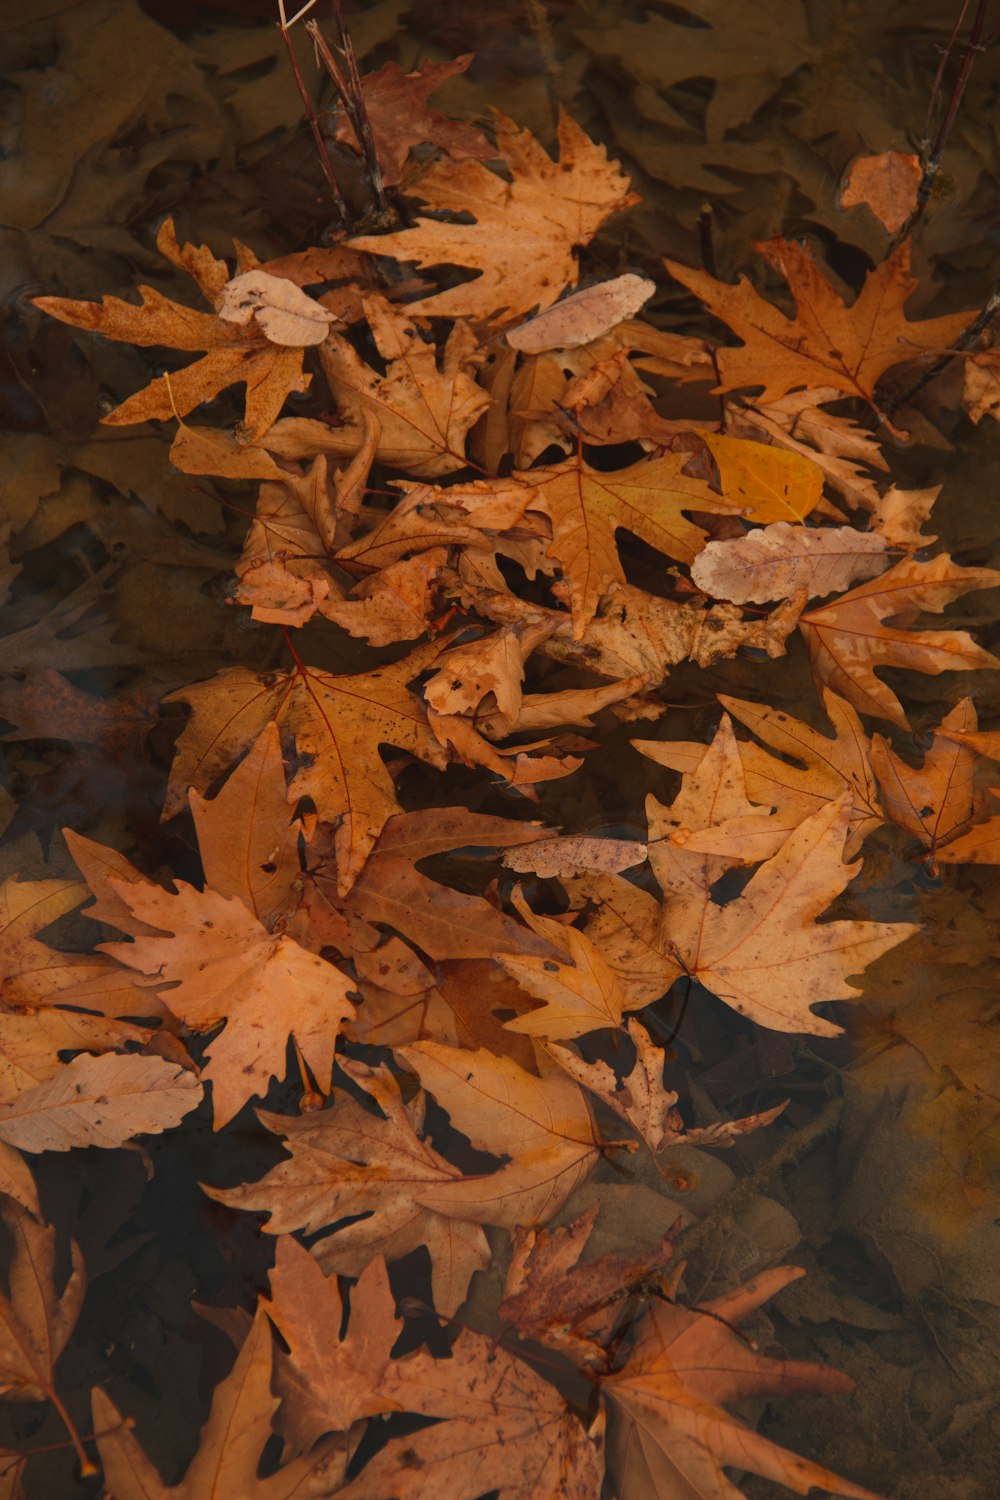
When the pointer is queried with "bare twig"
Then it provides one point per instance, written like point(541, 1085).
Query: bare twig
point(352, 97)
point(932, 151)
point(965, 340)
point(313, 121)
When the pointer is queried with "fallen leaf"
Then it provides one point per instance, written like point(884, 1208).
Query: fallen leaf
point(501, 1428)
point(934, 803)
point(669, 1433)
point(100, 1101)
point(768, 483)
point(573, 853)
point(583, 316)
point(232, 1442)
point(328, 1380)
point(588, 506)
point(827, 344)
point(580, 991)
point(525, 231)
point(350, 1162)
point(218, 963)
point(638, 1097)
point(35, 1320)
point(399, 116)
point(780, 560)
point(849, 638)
point(886, 184)
point(543, 1125)
point(338, 722)
point(282, 312)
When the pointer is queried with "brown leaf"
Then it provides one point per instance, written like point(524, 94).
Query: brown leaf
point(351, 1162)
point(232, 1442)
point(780, 560)
point(584, 316)
point(400, 117)
point(934, 803)
point(217, 962)
point(525, 230)
point(501, 1428)
point(669, 1434)
point(100, 1101)
point(827, 344)
point(35, 1320)
point(849, 638)
point(887, 184)
point(328, 1380)
point(338, 722)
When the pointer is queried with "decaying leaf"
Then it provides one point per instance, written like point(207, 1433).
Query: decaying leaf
point(584, 316)
point(887, 184)
point(282, 312)
point(36, 1320)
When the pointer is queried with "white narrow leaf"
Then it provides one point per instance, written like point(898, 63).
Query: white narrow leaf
point(584, 316)
point(776, 561)
point(100, 1101)
point(280, 309)
point(575, 854)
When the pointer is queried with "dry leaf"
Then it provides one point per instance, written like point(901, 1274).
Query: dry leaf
point(352, 1163)
point(780, 560)
point(584, 316)
point(282, 312)
point(934, 803)
point(827, 344)
point(525, 231)
point(767, 483)
point(887, 184)
point(100, 1101)
point(849, 638)
point(35, 1320)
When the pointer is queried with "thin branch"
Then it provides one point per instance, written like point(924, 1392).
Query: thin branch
point(310, 113)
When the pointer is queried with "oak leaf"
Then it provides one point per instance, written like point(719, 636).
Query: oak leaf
point(781, 559)
point(849, 638)
point(526, 229)
point(100, 1101)
point(233, 356)
point(328, 1380)
point(351, 1162)
point(543, 1125)
point(501, 1428)
point(828, 343)
point(35, 1320)
point(588, 506)
point(232, 1442)
point(338, 723)
point(212, 960)
point(669, 1433)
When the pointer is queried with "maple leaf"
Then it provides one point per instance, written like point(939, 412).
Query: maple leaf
point(232, 1442)
point(525, 229)
point(570, 1307)
point(825, 768)
point(782, 559)
point(35, 1320)
point(217, 962)
point(849, 638)
point(397, 108)
point(501, 1428)
point(580, 990)
point(443, 922)
point(247, 837)
point(328, 1381)
point(934, 803)
point(424, 412)
point(827, 344)
point(338, 722)
point(234, 356)
point(669, 1434)
point(100, 1101)
point(588, 506)
point(348, 1163)
point(544, 1126)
